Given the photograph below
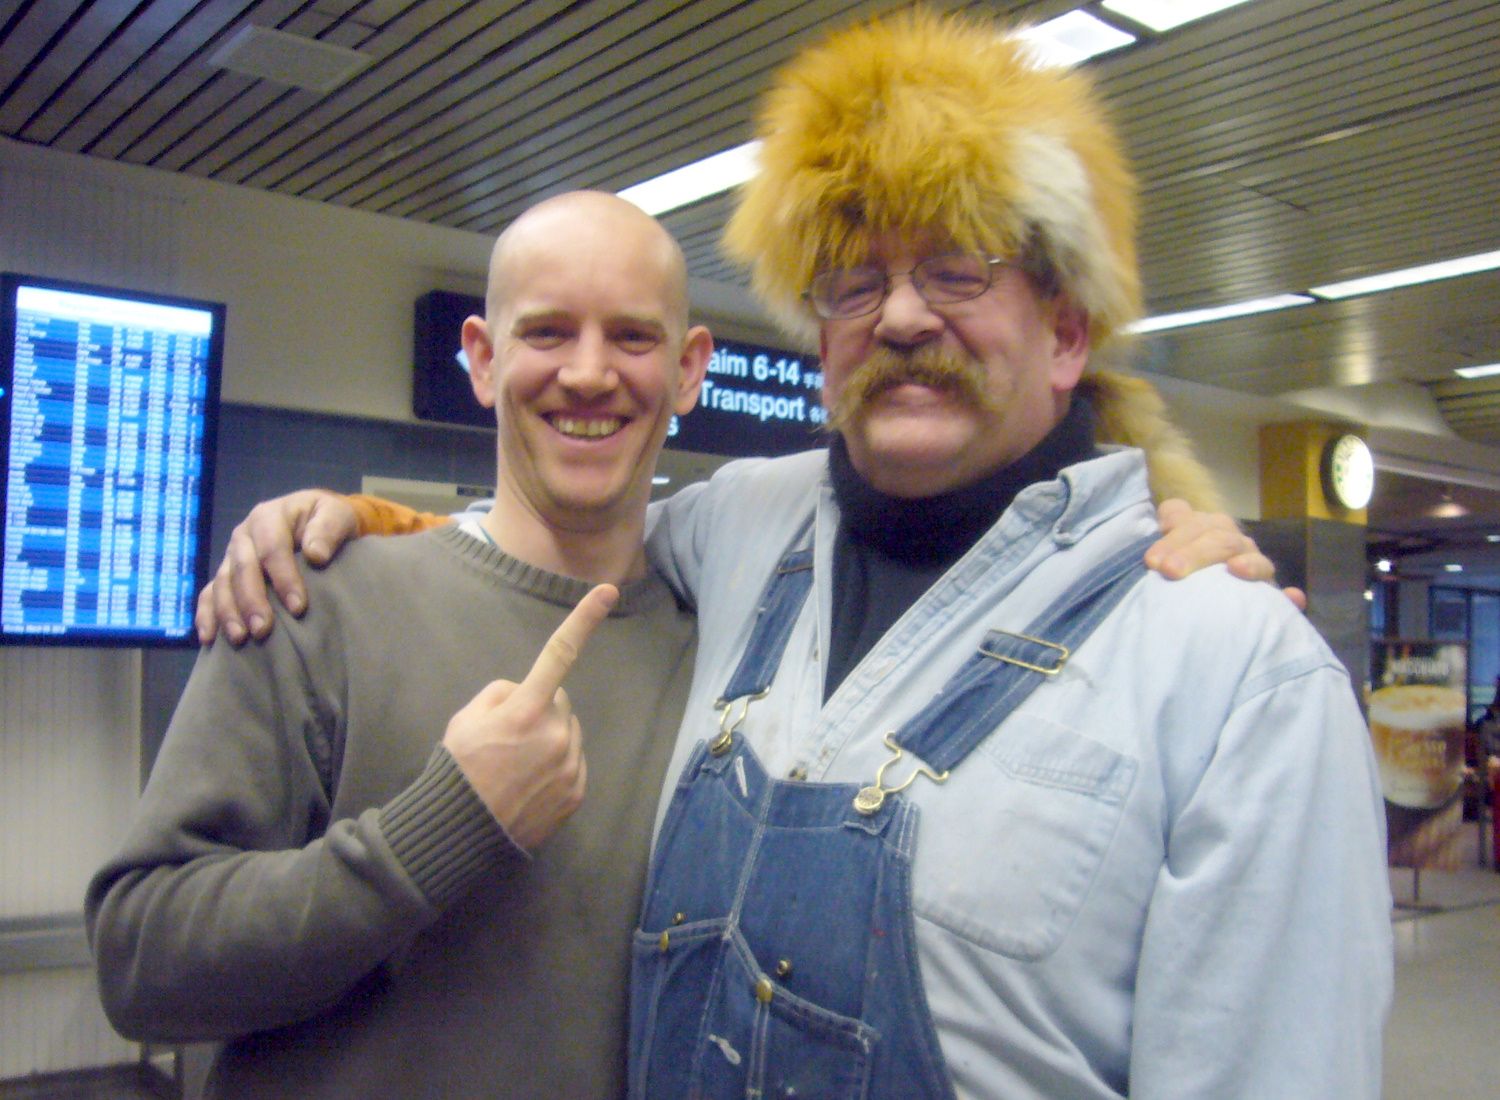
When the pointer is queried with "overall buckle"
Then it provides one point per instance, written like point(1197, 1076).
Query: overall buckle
point(869, 800)
point(728, 724)
point(1063, 654)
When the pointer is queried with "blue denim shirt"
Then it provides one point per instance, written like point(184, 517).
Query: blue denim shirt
point(1164, 875)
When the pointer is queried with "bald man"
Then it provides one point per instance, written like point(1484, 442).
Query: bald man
point(363, 864)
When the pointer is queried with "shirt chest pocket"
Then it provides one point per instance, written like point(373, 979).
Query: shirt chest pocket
point(1008, 850)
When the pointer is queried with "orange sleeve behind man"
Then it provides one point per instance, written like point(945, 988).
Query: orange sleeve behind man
point(377, 516)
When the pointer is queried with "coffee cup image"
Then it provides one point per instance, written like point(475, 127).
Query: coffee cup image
point(1418, 733)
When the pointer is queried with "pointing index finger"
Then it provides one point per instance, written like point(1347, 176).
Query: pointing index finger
point(562, 649)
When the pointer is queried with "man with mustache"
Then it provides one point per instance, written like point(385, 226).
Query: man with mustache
point(962, 803)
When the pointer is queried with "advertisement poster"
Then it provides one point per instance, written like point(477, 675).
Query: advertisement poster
point(1417, 711)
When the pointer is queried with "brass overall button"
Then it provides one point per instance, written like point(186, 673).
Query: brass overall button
point(784, 968)
point(664, 941)
point(764, 990)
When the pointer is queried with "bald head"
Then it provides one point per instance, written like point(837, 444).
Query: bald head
point(585, 354)
point(565, 222)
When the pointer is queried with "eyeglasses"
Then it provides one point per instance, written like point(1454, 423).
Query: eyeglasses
point(940, 280)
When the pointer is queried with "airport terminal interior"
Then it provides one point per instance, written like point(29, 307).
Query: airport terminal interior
point(309, 190)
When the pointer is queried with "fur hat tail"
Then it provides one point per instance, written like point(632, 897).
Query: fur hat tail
point(1130, 411)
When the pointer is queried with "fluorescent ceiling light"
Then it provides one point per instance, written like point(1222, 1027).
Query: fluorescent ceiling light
point(1163, 15)
point(1427, 273)
point(695, 181)
point(1073, 38)
point(1453, 567)
point(1218, 313)
point(661, 479)
point(1477, 372)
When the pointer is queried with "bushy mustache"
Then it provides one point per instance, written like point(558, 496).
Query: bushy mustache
point(928, 365)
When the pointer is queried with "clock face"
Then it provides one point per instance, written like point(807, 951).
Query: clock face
point(1349, 471)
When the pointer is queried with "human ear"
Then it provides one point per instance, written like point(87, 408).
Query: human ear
point(697, 350)
point(479, 350)
point(1070, 343)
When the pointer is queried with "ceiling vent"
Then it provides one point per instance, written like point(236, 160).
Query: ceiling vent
point(288, 59)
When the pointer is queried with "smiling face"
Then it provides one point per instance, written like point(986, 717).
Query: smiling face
point(585, 356)
point(932, 398)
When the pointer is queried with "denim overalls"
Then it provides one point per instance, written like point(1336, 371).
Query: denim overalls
point(776, 956)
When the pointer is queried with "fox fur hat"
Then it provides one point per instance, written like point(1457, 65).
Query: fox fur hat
point(940, 124)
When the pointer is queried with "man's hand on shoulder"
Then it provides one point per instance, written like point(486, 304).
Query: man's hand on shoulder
point(1192, 540)
point(235, 603)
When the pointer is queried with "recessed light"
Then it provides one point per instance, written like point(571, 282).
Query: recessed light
point(1218, 313)
point(1453, 567)
point(695, 181)
point(1410, 276)
point(1477, 372)
point(1163, 15)
point(1447, 508)
point(1072, 39)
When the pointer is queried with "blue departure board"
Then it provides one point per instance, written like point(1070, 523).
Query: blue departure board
point(108, 414)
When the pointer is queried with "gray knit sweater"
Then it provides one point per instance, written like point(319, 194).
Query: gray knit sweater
point(308, 878)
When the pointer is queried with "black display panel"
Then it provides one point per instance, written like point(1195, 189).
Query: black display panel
point(756, 400)
point(440, 387)
point(109, 404)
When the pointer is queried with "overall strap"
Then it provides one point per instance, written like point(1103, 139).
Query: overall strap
point(774, 619)
point(1009, 666)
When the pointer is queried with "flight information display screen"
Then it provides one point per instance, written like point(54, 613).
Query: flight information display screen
point(108, 416)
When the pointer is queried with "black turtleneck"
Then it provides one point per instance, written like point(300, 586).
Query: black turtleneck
point(890, 550)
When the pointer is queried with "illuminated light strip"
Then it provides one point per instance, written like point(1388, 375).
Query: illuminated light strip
point(1218, 313)
point(1409, 276)
point(695, 181)
point(1163, 15)
point(1477, 372)
point(1072, 39)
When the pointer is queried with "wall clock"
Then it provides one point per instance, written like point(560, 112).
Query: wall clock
point(1349, 472)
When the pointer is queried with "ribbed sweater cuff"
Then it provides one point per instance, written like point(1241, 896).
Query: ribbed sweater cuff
point(443, 834)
